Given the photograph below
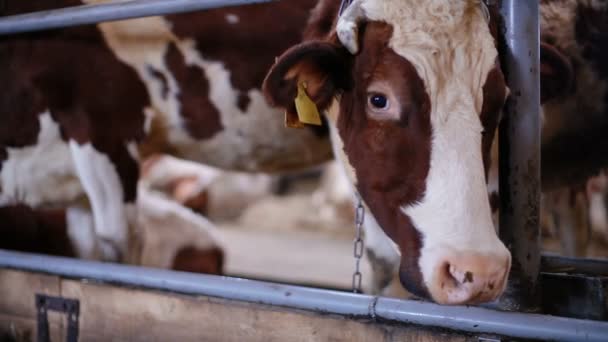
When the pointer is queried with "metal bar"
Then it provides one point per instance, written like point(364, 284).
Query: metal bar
point(118, 10)
point(461, 318)
point(520, 154)
point(559, 264)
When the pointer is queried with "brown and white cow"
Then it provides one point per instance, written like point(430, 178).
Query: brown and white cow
point(409, 88)
point(574, 84)
point(80, 106)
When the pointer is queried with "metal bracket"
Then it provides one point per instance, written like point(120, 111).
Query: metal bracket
point(71, 307)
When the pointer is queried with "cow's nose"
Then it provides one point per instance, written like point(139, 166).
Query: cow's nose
point(470, 278)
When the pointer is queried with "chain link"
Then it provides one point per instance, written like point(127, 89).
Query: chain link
point(358, 244)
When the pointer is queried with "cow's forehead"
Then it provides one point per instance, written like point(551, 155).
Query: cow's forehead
point(448, 42)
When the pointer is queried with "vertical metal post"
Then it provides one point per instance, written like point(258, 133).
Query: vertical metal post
point(520, 154)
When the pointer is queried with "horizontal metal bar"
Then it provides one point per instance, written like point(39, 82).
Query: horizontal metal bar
point(559, 264)
point(464, 319)
point(118, 10)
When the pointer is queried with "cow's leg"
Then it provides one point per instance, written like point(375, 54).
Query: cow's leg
point(570, 211)
point(175, 237)
point(184, 181)
point(162, 171)
point(382, 254)
point(81, 231)
point(57, 231)
point(598, 214)
point(103, 180)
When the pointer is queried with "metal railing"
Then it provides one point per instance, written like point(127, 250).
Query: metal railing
point(112, 11)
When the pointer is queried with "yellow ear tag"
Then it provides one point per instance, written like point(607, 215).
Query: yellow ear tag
point(307, 110)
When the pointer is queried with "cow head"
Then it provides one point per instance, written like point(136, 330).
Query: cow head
point(411, 88)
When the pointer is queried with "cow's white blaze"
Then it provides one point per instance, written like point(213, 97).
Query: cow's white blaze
point(102, 185)
point(40, 174)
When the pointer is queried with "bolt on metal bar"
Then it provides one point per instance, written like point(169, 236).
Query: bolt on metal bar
point(520, 154)
point(117, 10)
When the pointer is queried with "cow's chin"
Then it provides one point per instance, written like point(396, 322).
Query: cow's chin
point(454, 277)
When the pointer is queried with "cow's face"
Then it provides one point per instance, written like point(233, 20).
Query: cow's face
point(410, 102)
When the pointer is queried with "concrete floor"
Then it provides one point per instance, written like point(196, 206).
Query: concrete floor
point(291, 257)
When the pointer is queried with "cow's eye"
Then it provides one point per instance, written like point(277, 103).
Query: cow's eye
point(378, 101)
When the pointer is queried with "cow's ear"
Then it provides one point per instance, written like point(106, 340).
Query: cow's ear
point(319, 68)
point(556, 73)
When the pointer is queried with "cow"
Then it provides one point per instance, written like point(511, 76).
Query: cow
point(412, 92)
point(80, 107)
point(574, 100)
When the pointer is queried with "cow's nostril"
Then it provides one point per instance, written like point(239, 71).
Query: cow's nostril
point(468, 277)
point(460, 277)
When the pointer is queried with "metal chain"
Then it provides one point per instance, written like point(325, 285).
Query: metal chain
point(358, 244)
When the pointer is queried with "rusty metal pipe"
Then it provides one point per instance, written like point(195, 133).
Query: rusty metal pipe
point(520, 154)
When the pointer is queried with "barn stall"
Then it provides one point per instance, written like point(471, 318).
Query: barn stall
point(70, 299)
